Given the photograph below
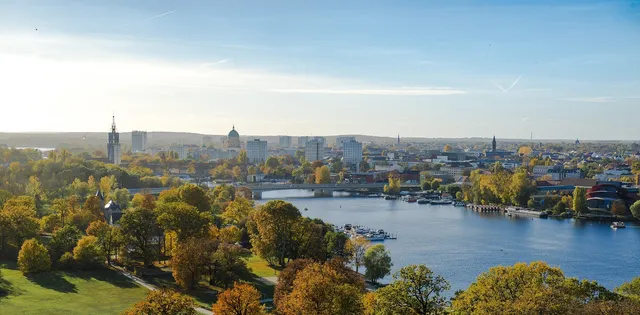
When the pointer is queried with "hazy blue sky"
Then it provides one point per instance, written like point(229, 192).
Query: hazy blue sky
point(418, 68)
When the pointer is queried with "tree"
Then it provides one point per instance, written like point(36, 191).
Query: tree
point(272, 236)
point(284, 285)
point(393, 187)
point(63, 241)
point(33, 257)
point(425, 185)
point(51, 222)
point(447, 148)
point(618, 207)
point(415, 290)
point(107, 184)
point(108, 238)
point(319, 289)
point(630, 289)
point(187, 262)
point(238, 211)
point(164, 302)
point(525, 150)
point(364, 166)
point(358, 249)
point(272, 163)
point(226, 265)
point(242, 157)
point(146, 201)
point(90, 211)
point(536, 288)
point(378, 263)
point(242, 299)
point(337, 245)
point(238, 174)
point(336, 166)
point(88, 253)
point(580, 200)
point(316, 164)
point(138, 229)
point(459, 195)
point(323, 175)
point(183, 219)
point(520, 188)
point(195, 196)
point(230, 234)
point(121, 197)
point(635, 209)
point(435, 183)
point(17, 223)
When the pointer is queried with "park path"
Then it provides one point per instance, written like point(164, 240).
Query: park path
point(152, 288)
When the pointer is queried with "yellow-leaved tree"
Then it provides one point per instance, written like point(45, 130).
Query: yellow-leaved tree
point(242, 299)
point(33, 257)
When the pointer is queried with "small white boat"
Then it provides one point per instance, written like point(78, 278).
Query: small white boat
point(423, 201)
point(618, 225)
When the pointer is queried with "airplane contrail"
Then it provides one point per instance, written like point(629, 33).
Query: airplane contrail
point(159, 15)
point(510, 87)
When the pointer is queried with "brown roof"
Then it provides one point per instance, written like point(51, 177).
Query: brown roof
point(580, 182)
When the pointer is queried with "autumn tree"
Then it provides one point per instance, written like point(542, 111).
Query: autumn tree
point(238, 211)
point(319, 289)
point(138, 230)
point(90, 211)
point(447, 148)
point(121, 197)
point(242, 299)
point(88, 253)
point(580, 200)
point(520, 188)
point(242, 157)
point(414, 290)
point(358, 248)
point(525, 150)
point(618, 207)
point(63, 241)
point(187, 261)
point(164, 302)
point(108, 238)
point(284, 285)
point(635, 209)
point(33, 257)
point(226, 265)
point(323, 175)
point(146, 201)
point(107, 185)
point(630, 289)
point(195, 196)
point(18, 222)
point(377, 260)
point(535, 288)
point(183, 219)
point(272, 235)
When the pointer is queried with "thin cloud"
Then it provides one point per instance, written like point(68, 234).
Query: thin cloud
point(159, 15)
point(526, 119)
point(599, 99)
point(510, 87)
point(381, 92)
point(209, 64)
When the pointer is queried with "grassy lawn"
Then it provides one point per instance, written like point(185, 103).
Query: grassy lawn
point(260, 267)
point(78, 292)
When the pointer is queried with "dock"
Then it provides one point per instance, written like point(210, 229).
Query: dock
point(485, 208)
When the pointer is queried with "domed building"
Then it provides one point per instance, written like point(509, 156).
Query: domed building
point(233, 141)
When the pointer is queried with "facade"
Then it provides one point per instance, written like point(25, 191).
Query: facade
point(614, 174)
point(114, 151)
point(340, 141)
point(138, 141)
point(257, 151)
point(233, 141)
point(541, 170)
point(314, 150)
point(302, 142)
point(562, 173)
point(285, 141)
point(352, 152)
point(181, 150)
point(207, 141)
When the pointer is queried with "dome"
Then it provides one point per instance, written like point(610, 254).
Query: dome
point(233, 133)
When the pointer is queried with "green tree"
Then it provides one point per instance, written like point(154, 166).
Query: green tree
point(520, 188)
point(337, 245)
point(33, 257)
point(238, 211)
point(226, 265)
point(164, 302)
point(121, 197)
point(435, 183)
point(272, 163)
point(415, 290)
point(459, 195)
point(635, 209)
point(272, 233)
point(337, 166)
point(323, 175)
point(195, 196)
point(242, 158)
point(138, 229)
point(630, 289)
point(183, 219)
point(63, 241)
point(88, 253)
point(108, 237)
point(425, 185)
point(580, 200)
point(377, 260)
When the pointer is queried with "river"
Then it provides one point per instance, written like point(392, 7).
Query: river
point(459, 244)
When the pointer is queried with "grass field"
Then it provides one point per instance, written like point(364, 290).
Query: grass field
point(78, 292)
point(260, 267)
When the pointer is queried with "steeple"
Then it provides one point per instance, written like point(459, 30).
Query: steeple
point(493, 144)
point(398, 138)
point(113, 124)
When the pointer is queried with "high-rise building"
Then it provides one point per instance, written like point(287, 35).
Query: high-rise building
point(342, 139)
point(114, 152)
point(179, 149)
point(352, 152)
point(257, 151)
point(302, 142)
point(314, 150)
point(138, 141)
point(285, 141)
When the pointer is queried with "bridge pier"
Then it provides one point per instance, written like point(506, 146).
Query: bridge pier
point(322, 192)
point(256, 195)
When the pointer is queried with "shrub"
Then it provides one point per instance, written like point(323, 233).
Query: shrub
point(33, 257)
point(87, 253)
point(66, 261)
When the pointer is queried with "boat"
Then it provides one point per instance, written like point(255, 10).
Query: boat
point(374, 196)
point(390, 197)
point(412, 199)
point(618, 225)
point(458, 204)
point(375, 237)
point(441, 202)
point(423, 201)
point(511, 211)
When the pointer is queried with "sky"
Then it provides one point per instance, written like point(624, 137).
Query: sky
point(557, 69)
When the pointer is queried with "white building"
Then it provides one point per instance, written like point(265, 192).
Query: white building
point(180, 150)
point(341, 140)
point(314, 150)
point(541, 170)
point(613, 174)
point(302, 142)
point(352, 152)
point(138, 141)
point(257, 151)
point(285, 141)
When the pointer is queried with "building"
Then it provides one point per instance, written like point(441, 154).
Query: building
point(314, 150)
point(138, 141)
point(614, 174)
point(494, 144)
point(352, 153)
point(541, 170)
point(180, 150)
point(233, 141)
point(114, 151)
point(285, 141)
point(560, 173)
point(341, 140)
point(257, 151)
point(302, 142)
point(207, 141)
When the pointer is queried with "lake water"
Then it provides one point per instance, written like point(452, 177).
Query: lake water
point(459, 244)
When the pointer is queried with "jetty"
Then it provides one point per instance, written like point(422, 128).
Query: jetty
point(484, 208)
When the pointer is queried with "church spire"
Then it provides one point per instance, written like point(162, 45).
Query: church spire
point(493, 144)
point(113, 123)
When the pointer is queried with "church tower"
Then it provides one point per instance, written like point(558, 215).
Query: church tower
point(493, 144)
point(114, 152)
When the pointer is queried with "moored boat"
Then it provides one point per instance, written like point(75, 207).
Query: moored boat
point(618, 225)
point(423, 201)
point(441, 202)
point(390, 197)
point(524, 212)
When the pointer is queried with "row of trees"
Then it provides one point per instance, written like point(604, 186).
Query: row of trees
point(499, 187)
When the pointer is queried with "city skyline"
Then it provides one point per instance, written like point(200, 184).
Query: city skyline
point(427, 70)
